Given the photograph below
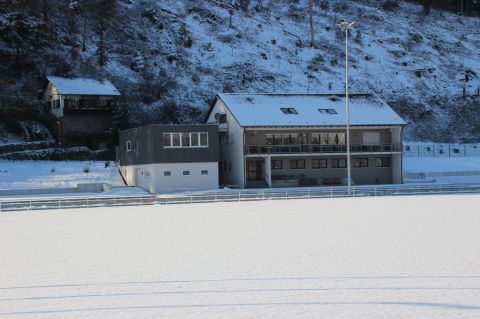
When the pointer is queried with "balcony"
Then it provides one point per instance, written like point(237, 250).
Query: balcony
point(320, 149)
point(88, 106)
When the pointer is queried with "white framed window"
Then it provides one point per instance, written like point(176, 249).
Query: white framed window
point(185, 139)
point(167, 139)
point(204, 172)
point(176, 140)
point(167, 173)
point(128, 146)
point(194, 140)
point(203, 139)
point(186, 173)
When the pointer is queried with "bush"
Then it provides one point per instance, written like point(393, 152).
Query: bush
point(390, 5)
point(86, 169)
point(107, 164)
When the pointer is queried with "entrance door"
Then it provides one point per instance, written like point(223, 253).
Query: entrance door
point(255, 170)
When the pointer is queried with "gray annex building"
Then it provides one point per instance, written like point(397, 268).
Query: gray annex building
point(165, 158)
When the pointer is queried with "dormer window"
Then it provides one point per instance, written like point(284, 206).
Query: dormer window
point(327, 111)
point(288, 110)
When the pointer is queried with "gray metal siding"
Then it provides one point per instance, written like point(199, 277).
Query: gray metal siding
point(147, 145)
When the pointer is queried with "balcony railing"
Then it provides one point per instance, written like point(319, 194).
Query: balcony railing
point(321, 149)
point(86, 106)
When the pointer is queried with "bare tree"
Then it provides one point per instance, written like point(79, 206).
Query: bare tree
point(312, 32)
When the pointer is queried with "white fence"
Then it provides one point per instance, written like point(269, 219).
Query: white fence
point(441, 150)
point(234, 196)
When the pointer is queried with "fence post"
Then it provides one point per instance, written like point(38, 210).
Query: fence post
point(238, 196)
point(286, 194)
point(263, 195)
point(308, 192)
point(59, 205)
point(191, 198)
point(331, 192)
point(87, 203)
point(114, 202)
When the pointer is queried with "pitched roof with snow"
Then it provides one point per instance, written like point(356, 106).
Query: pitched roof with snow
point(83, 86)
point(266, 110)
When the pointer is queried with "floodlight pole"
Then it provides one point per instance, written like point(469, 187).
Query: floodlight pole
point(347, 26)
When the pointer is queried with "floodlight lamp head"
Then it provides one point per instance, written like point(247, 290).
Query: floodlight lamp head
point(346, 25)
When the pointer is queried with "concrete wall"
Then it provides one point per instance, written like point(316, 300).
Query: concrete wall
point(151, 177)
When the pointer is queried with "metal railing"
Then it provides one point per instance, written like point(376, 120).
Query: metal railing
point(320, 148)
point(234, 196)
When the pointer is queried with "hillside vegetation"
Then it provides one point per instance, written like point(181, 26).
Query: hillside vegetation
point(170, 58)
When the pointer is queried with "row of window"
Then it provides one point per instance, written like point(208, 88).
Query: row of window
point(335, 163)
point(292, 110)
point(301, 138)
point(190, 139)
point(184, 173)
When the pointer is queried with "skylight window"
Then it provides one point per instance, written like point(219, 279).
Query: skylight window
point(289, 110)
point(327, 111)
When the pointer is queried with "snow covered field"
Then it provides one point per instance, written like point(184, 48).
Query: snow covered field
point(38, 174)
point(396, 257)
point(447, 166)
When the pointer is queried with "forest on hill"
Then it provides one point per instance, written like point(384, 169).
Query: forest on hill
point(170, 58)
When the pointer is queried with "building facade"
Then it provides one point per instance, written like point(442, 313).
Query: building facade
point(287, 140)
point(167, 158)
point(83, 109)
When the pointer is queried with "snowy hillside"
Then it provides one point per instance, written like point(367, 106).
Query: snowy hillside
point(170, 58)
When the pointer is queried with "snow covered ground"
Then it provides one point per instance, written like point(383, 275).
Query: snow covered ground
point(397, 257)
point(38, 174)
point(446, 166)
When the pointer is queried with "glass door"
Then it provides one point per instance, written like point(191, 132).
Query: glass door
point(255, 170)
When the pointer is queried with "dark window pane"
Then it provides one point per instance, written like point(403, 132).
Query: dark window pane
point(167, 139)
point(176, 139)
point(186, 139)
point(203, 139)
